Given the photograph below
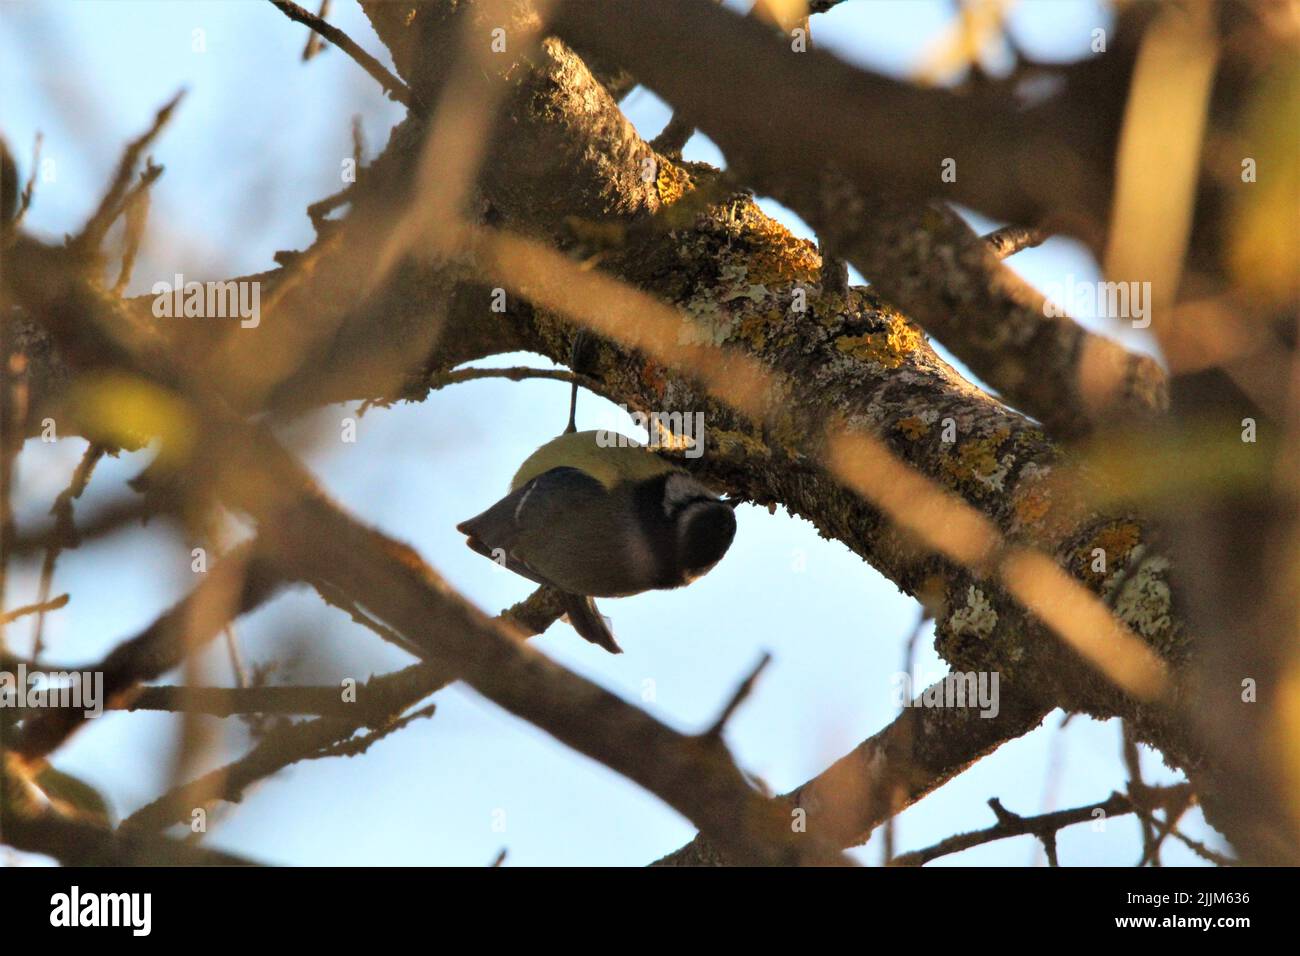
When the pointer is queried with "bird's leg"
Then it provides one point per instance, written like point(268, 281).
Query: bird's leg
point(579, 358)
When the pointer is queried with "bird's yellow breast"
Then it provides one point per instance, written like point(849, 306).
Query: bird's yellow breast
point(607, 456)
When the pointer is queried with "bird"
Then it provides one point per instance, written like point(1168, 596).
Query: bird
point(595, 514)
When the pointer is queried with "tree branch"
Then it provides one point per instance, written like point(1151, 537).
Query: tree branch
point(379, 702)
point(920, 750)
point(921, 256)
point(1009, 240)
point(72, 841)
point(1045, 826)
point(394, 87)
point(88, 241)
point(187, 625)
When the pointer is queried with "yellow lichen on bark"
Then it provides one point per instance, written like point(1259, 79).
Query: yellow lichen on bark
point(889, 348)
point(913, 428)
point(977, 460)
point(1115, 540)
point(672, 183)
point(778, 256)
point(1031, 507)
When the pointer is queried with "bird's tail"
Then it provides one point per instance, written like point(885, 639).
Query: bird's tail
point(589, 623)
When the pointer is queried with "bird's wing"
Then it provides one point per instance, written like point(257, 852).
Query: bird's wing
point(554, 496)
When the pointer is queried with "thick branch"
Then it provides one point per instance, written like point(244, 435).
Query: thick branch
point(379, 702)
point(693, 53)
point(921, 749)
point(26, 825)
point(241, 582)
point(864, 360)
point(74, 843)
point(733, 79)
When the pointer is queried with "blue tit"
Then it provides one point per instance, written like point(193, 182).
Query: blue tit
point(605, 518)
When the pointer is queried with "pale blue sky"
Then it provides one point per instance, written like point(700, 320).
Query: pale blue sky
point(259, 137)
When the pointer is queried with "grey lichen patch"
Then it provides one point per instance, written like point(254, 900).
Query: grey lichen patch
point(843, 370)
point(732, 306)
point(1145, 602)
point(980, 463)
point(982, 629)
point(995, 478)
point(708, 322)
point(976, 619)
point(733, 280)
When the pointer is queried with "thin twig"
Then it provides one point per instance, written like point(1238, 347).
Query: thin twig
point(88, 241)
point(223, 702)
point(1137, 787)
point(1200, 849)
point(40, 607)
point(315, 43)
point(394, 87)
point(111, 517)
point(1165, 828)
point(62, 511)
point(1009, 240)
point(379, 700)
point(28, 190)
point(13, 413)
point(237, 666)
point(1044, 826)
point(738, 698)
point(235, 701)
point(355, 746)
point(164, 644)
point(909, 659)
point(334, 597)
point(136, 210)
point(317, 211)
point(1048, 840)
point(358, 139)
